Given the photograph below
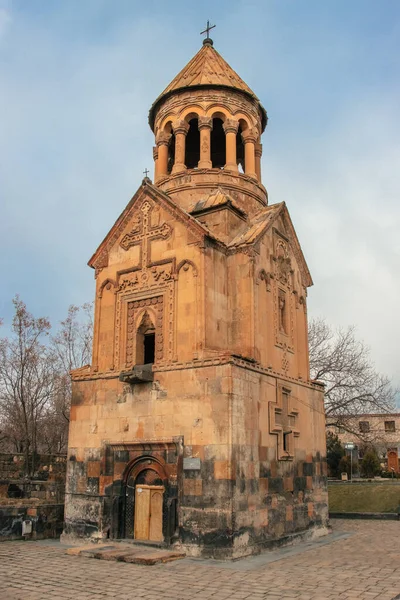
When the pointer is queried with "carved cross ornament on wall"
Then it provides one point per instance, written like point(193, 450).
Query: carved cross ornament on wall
point(143, 233)
point(282, 423)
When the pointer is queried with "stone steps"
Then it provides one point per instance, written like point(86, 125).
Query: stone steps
point(126, 553)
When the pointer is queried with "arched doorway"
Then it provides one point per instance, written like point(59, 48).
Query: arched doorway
point(145, 500)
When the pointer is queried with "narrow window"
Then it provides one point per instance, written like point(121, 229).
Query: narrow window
point(218, 145)
point(171, 153)
point(240, 150)
point(149, 347)
point(192, 147)
point(145, 341)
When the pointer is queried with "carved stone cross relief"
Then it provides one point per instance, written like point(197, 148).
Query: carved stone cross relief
point(143, 234)
point(282, 419)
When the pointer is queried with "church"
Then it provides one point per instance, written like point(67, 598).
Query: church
point(197, 425)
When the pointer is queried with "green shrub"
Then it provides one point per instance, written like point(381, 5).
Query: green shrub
point(334, 453)
point(370, 465)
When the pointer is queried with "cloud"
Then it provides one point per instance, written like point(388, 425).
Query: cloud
point(77, 81)
point(343, 195)
point(5, 20)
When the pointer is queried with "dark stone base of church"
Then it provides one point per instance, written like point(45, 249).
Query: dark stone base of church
point(202, 514)
point(46, 521)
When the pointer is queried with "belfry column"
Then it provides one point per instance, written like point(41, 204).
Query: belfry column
point(231, 127)
point(249, 137)
point(205, 128)
point(258, 153)
point(161, 155)
point(155, 158)
point(180, 129)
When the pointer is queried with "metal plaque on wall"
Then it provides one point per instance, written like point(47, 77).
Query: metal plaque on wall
point(191, 464)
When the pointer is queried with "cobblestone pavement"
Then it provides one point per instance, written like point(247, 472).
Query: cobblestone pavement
point(363, 565)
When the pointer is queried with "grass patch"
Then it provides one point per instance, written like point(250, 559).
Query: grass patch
point(363, 497)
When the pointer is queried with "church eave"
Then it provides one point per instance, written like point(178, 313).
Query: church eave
point(254, 235)
point(212, 86)
point(157, 195)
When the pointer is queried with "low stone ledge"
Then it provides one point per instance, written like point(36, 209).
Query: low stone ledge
point(364, 515)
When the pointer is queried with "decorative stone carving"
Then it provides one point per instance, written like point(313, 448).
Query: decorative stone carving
point(142, 233)
point(282, 422)
point(136, 316)
point(250, 136)
point(205, 122)
point(264, 276)
point(283, 297)
point(231, 126)
point(163, 138)
point(180, 127)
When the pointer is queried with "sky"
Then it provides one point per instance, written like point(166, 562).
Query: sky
point(77, 79)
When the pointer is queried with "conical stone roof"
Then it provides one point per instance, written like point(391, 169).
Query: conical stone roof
point(207, 68)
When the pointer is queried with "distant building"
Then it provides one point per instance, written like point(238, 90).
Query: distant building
point(382, 431)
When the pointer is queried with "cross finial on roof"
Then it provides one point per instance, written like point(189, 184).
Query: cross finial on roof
point(207, 30)
point(146, 172)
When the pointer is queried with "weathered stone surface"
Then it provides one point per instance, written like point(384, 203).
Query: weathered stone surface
point(47, 521)
point(202, 285)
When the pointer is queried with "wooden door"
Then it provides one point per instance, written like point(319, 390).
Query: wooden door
point(148, 512)
point(393, 460)
point(156, 514)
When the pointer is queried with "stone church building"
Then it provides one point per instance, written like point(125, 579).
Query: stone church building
point(196, 423)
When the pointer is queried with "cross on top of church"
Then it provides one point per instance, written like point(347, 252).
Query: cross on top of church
point(146, 172)
point(207, 32)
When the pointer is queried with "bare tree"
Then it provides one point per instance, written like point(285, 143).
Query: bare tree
point(72, 348)
point(344, 365)
point(35, 384)
point(26, 380)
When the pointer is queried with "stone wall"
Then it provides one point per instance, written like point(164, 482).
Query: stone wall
point(47, 466)
point(46, 520)
point(228, 489)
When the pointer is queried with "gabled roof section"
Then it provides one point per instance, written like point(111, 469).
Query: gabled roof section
point(216, 200)
point(146, 190)
point(261, 223)
point(207, 68)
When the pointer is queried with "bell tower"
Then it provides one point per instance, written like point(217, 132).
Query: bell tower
point(197, 424)
point(208, 125)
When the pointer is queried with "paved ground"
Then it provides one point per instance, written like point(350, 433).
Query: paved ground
point(363, 564)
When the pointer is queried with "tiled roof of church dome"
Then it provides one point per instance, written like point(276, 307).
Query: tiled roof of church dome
point(206, 68)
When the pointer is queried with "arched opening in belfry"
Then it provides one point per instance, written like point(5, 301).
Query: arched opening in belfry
point(192, 147)
point(171, 153)
point(240, 146)
point(218, 144)
point(145, 341)
point(240, 150)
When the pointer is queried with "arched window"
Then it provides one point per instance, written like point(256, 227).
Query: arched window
point(171, 153)
point(192, 147)
point(218, 145)
point(145, 341)
point(240, 150)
